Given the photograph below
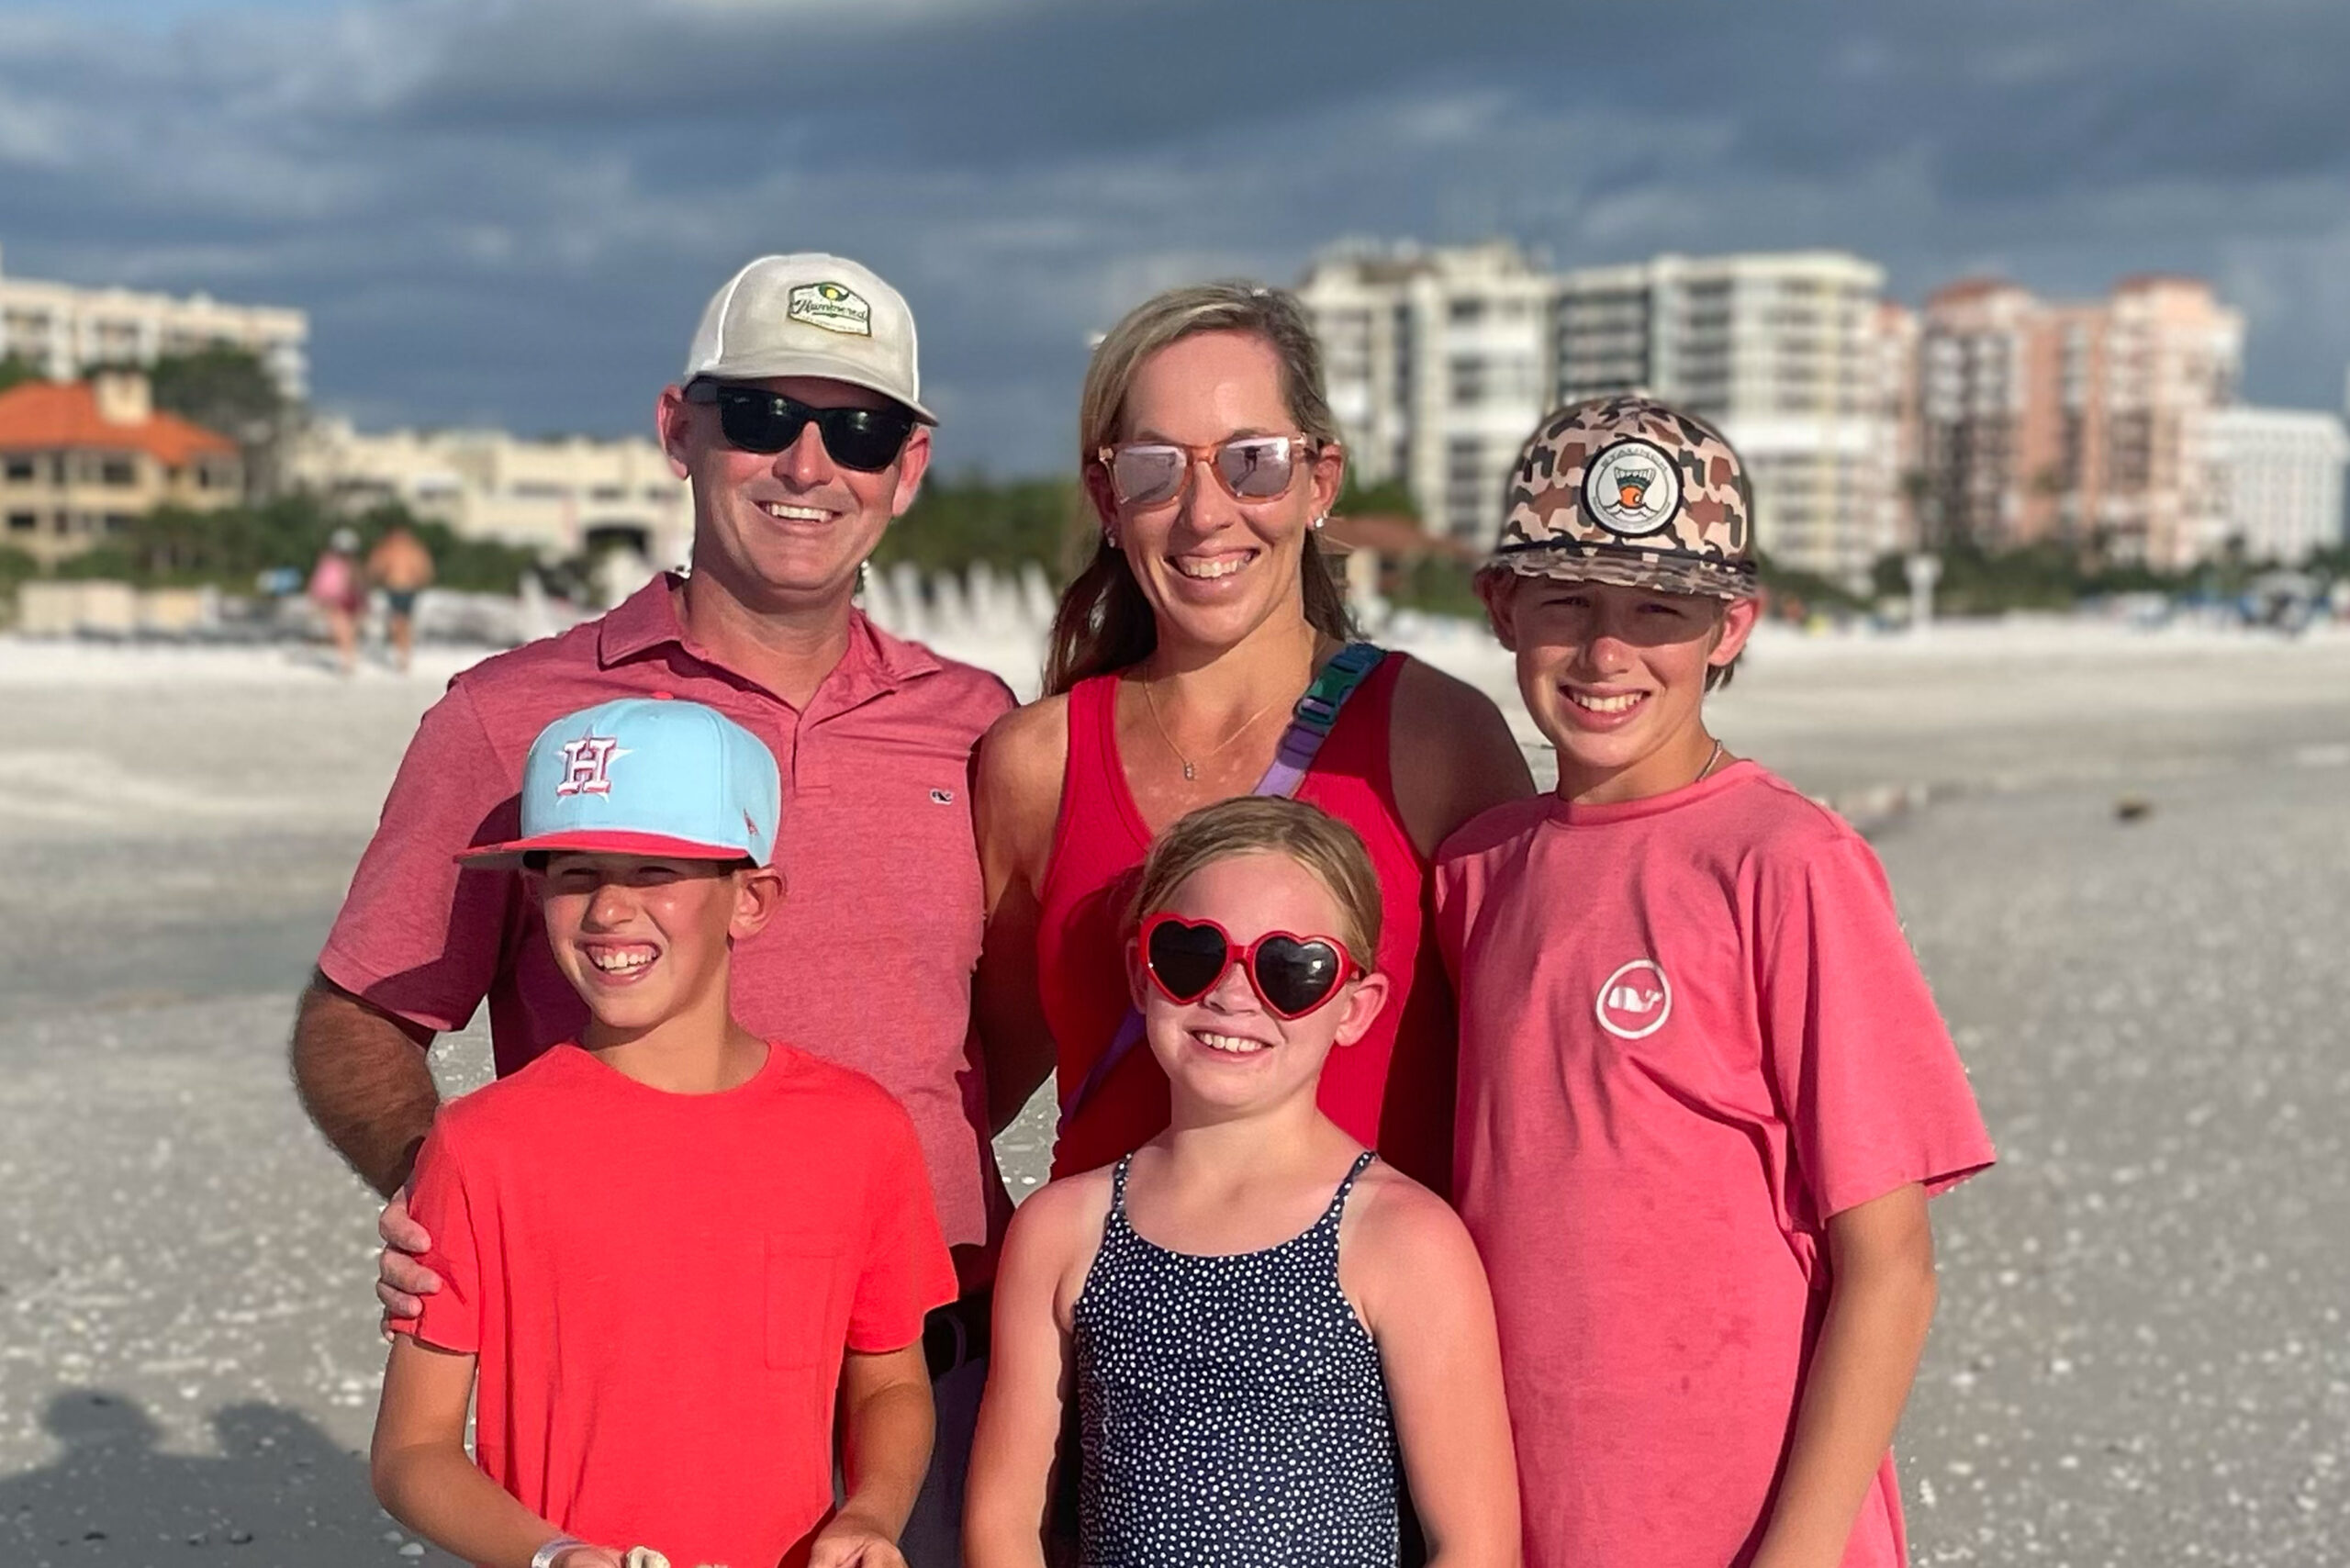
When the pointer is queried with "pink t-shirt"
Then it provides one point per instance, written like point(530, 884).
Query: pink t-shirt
point(1691, 1031)
point(867, 963)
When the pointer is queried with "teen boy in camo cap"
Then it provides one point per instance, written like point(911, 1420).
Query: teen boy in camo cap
point(1704, 1092)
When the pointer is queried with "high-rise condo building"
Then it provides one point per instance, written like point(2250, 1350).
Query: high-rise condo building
point(1438, 367)
point(1441, 361)
point(2091, 424)
point(65, 332)
point(2281, 481)
point(1795, 356)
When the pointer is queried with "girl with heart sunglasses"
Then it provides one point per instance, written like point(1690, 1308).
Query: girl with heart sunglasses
point(1252, 1317)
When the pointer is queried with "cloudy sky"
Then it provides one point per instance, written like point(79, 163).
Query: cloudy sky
point(512, 209)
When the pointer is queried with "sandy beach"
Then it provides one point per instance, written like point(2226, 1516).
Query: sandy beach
point(2140, 1355)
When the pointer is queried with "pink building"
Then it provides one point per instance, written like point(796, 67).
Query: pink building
point(2090, 424)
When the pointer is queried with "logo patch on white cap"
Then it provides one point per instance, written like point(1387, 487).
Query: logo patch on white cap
point(1633, 487)
point(834, 307)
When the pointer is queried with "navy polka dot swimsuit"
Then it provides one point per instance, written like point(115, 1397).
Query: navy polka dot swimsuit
point(1232, 1408)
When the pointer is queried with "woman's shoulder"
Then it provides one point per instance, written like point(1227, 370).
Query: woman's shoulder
point(1024, 750)
point(1029, 725)
point(1451, 754)
point(1435, 703)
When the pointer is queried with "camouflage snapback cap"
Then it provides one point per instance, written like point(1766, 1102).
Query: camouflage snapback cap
point(1628, 490)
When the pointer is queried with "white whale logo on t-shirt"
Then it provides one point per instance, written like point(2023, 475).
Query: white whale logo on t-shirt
point(1635, 1001)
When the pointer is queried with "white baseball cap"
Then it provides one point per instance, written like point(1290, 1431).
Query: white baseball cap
point(811, 314)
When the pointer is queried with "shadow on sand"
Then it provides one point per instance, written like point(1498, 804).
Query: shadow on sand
point(279, 1494)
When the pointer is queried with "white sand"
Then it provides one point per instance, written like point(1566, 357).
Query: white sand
point(2140, 1355)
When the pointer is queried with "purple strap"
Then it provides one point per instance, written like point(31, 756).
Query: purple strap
point(1310, 723)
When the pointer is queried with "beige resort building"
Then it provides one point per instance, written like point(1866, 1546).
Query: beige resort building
point(562, 497)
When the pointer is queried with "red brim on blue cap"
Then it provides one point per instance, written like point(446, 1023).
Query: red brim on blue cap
point(645, 845)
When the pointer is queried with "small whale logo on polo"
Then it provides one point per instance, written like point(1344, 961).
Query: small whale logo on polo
point(942, 797)
point(1635, 1001)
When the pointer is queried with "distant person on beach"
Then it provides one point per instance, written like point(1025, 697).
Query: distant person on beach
point(799, 425)
point(339, 589)
point(1255, 1317)
point(1205, 651)
point(770, 1208)
point(402, 567)
point(1704, 1093)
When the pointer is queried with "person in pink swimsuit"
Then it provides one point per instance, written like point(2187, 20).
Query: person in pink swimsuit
point(1211, 457)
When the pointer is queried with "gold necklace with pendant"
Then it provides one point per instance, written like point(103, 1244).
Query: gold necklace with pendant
point(1190, 772)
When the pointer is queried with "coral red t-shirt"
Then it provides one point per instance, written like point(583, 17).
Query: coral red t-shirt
point(1691, 1031)
point(867, 963)
point(660, 1288)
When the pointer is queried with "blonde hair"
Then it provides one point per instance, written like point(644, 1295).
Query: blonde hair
point(1104, 622)
point(1329, 849)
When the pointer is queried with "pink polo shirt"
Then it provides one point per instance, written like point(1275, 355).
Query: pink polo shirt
point(869, 962)
point(1691, 1033)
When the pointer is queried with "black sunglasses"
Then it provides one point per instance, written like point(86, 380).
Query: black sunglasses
point(753, 419)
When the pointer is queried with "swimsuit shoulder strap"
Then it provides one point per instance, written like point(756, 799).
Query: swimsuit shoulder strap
point(1347, 1184)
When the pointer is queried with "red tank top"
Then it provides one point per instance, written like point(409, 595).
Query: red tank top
point(1392, 1090)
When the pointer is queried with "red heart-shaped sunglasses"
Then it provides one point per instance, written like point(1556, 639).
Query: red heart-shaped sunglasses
point(1291, 974)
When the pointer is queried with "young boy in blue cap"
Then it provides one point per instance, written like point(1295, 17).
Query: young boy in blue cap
point(664, 1248)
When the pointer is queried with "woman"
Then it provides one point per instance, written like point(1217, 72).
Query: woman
point(1211, 457)
point(340, 592)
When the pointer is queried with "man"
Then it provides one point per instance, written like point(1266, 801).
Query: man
point(799, 425)
point(402, 567)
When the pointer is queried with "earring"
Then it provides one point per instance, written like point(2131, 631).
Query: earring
point(1110, 537)
point(1320, 520)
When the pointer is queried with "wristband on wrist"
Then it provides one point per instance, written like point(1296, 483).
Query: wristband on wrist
point(545, 1555)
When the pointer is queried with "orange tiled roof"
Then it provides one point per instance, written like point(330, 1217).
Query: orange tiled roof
point(1967, 288)
point(2136, 282)
point(45, 416)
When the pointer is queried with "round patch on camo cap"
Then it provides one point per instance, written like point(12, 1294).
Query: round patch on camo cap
point(1631, 491)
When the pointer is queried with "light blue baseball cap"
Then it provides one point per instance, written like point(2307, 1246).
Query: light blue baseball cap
point(646, 775)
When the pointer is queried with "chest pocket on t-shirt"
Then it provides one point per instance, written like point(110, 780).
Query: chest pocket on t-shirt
point(805, 1312)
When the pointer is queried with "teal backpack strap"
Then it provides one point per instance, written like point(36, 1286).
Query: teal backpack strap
point(1315, 714)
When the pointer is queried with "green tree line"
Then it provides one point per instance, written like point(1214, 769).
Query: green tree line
point(2049, 575)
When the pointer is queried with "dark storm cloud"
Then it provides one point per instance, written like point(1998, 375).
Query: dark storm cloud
point(512, 210)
